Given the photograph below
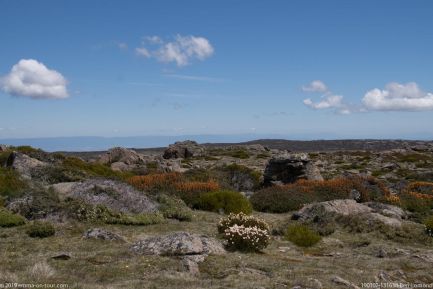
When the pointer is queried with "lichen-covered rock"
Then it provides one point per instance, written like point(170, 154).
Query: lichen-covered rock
point(371, 212)
point(114, 195)
point(288, 168)
point(191, 248)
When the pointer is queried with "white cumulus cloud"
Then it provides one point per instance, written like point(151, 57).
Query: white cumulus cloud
point(398, 97)
point(30, 78)
point(141, 51)
point(329, 101)
point(315, 86)
point(182, 50)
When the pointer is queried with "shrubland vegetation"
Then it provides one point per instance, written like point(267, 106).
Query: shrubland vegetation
point(280, 199)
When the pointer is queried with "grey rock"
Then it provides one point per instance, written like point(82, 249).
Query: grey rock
point(24, 164)
point(288, 168)
point(184, 149)
point(120, 166)
point(101, 234)
point(178, 244)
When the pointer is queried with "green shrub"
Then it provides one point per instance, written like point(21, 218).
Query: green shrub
point(246, 238)
point(8, 219)
point(429, 226)
point(241, 220)
point(11, 185)
point(226, 201)
point(174, 208)
point(137, 220)
point(302, 236)
point(40, 230)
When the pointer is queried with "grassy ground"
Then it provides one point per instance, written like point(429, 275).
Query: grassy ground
point(104, 264)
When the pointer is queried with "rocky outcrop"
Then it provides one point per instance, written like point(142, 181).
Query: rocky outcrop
point(3, 148)
point(114, 195)
point(184, 149)
point(288, 168)
point(101, 234)
point(24, 164)
point(371, 212)
point(191, 248)
point(121, 155)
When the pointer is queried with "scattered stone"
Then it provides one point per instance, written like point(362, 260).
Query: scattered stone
point(340, 281)
point(184, 149)
point(101, 234)
point(288, 168)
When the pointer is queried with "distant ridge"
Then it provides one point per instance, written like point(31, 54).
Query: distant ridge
point(89, 143)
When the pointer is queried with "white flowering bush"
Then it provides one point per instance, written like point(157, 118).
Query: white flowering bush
point(246, 238)
point(241, 219)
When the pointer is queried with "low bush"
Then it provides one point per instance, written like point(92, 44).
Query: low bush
point(302, 236)
point(225, 201)
point(174, 208)
point(429, 226)
point(241, 219)
point(136, 220)
point(8, 219)
point(40, 230)
point(246, 238)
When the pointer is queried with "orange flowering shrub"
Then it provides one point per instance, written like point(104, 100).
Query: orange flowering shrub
point(156, 182)
point(197, 186)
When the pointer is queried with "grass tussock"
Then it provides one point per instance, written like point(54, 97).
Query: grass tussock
point(8, 219)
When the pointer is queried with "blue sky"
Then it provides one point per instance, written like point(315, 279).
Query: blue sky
point(302, 69)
